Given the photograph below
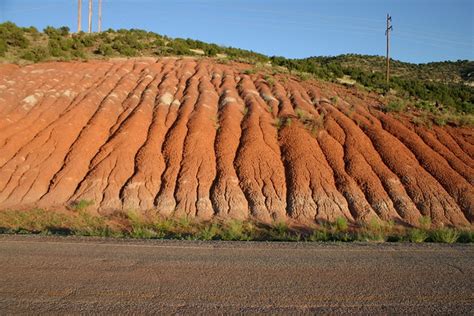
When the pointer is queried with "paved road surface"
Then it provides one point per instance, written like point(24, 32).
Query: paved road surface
point(80, 275)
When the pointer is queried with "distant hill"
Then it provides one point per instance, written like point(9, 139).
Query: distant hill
point(437, 86)
point(446, 71)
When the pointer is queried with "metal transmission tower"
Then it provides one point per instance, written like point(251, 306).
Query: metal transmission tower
point(387, 34)
point(99, 25)
point(90, 16)
point(79, 16)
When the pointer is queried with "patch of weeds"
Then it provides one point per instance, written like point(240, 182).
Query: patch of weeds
point(90, 225)
point(425, 222)
point(444, 235)
point(301, 114)
point(395, 106)
point(304, 76)
point(334, 100)
point(249, 71)
point(245, 111)
point(270, 81)
point(209, 232)
point(319, 234)
point(422, 120)
point(164, 227)
point(234, 230)
point(416, 235)
point(81, 205)
point(373, 231)
point(466, 236)
point(440, 120)
point(340, 224)
point(280, 231)
point(142, 232)
point(279, 123)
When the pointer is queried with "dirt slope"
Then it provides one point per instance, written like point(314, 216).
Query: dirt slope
point(189, 137)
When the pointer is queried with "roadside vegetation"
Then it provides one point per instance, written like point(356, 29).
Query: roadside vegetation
point(441, 91)
point(131, 224)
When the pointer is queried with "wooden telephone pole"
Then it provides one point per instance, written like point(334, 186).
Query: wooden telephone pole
point(90, 16)
point(79, 16)
point(387, 33)
point(99, 25)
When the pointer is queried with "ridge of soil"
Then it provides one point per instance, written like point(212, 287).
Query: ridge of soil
point(195, 138)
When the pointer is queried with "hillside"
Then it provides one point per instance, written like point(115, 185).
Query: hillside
point(203, 138)
point(443, 89)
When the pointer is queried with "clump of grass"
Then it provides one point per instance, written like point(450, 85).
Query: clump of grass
point(373, 231)
point(249, 71)
point(340, 224)
point(209, 232)
point(425, 222)
point(416, 235)
point(270, 80)
point(280, 231)
point(334, 100)
point(304, 76)
point(466, 236)
point(91, 225)
point(81, 205)
point(444, 235)
point(319, 234)
point(234, 230)
point(395, 106)
point(301, 114)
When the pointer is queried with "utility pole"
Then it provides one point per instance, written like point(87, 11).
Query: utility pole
point(99, 26)
point(79, 16)
point(387, 34)
point(90, 16)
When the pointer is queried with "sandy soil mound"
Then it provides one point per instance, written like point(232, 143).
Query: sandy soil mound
point(196, 138)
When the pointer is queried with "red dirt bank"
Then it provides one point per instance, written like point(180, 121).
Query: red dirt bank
point(195, 138)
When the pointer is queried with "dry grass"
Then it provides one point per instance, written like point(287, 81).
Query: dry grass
point(141, 225)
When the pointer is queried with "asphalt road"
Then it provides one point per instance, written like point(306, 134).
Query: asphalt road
point(79, 275)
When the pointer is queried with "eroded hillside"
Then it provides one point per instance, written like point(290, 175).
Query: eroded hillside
point(188, 137)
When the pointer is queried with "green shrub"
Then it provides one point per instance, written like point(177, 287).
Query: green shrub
point(319, 234)
point(340, 224)
point(13, 35)
point(3, 47)
point(209, 232)
point(35, 54)
point(234, 230)
point(416, 235)
point(466, 236)
point(373, 231)
point(444, 235)
point(105, 50)
point(280, 231)
point(395, 106)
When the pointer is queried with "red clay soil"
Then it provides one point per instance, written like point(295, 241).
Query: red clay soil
point(195, 138)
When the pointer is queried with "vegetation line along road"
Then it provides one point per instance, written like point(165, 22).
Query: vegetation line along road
point(139, 226)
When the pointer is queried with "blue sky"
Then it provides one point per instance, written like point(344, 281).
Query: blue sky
point(424, 30)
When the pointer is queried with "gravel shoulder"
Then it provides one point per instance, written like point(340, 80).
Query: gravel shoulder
point(48, 274)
